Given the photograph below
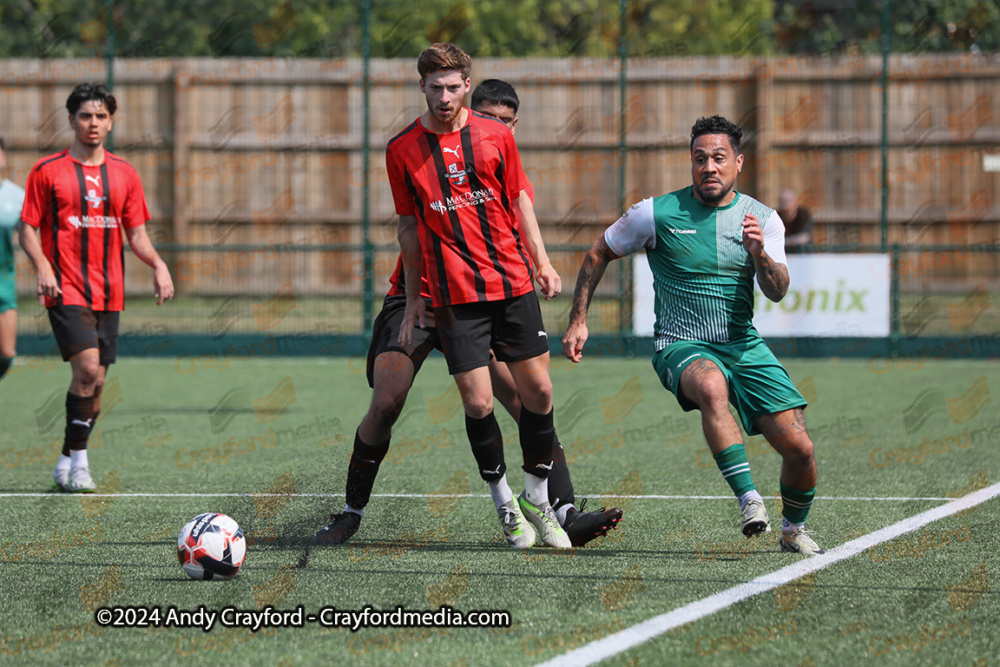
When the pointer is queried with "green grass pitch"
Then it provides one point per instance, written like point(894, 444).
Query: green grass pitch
point(181, 430)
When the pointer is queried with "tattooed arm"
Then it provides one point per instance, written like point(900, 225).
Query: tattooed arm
point(771, 276)
point(591, 271)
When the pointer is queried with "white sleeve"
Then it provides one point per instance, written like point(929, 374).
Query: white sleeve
point(11, 203)
point(633, 231)
point(774, 238)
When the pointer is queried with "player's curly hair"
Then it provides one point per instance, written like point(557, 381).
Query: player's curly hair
point(718, 125)
point(443, 56)
point(91, 92)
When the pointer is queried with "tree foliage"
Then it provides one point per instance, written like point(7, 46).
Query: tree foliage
point(915, 26)
point(556, 28)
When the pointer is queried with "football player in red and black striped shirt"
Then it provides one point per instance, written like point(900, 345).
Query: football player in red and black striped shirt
point(392, 368)
point(466, 224)
point(81, 200)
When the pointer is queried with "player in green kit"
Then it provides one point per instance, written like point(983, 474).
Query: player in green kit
point(11, 199)
point(705, 243)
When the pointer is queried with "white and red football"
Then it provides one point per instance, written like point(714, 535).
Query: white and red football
point(211, 546)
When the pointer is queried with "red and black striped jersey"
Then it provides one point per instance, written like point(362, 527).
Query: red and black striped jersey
point(80, 212)
point(461, 187)
point(397, 283)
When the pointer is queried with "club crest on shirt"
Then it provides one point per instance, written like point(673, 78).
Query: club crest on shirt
point(456, 173)
point(93, 199)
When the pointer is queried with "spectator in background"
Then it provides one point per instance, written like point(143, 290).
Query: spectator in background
point(798, 221)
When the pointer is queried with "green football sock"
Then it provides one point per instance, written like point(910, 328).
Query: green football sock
point(795, 503)
point(735, 469)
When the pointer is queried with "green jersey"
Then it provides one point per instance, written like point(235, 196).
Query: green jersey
point(703, 277)
point(11, 199)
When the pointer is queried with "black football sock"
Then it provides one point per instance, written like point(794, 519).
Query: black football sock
point(5, 363)
point(362, 470)
point(487, 446)
point(560, 485)
point(538, 436)
point(80, 418)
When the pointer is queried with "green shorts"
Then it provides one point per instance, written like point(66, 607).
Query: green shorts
point(758, 384)
point(8, 292)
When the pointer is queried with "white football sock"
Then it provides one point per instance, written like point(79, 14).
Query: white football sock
point(786, 525)
point(64, 464)
point(536, 489)
point(562, 512)
point(78, 458)
point(500, 491)
point(747, 496)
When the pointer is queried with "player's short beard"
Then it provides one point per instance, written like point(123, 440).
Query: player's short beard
point(713, 199)
point(450, 117)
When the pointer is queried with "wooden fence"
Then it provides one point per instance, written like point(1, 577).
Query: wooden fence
point(236, 153)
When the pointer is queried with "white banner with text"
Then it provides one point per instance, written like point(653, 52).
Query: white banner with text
point(829, 296)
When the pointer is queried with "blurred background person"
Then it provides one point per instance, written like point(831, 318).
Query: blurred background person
point(798, 222)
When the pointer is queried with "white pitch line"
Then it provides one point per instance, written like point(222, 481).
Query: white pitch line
point(612, 645)
point(51, 494)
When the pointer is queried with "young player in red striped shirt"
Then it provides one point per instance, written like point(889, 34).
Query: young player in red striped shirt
point(466, 224)
point(81, 200)
point(391, 370)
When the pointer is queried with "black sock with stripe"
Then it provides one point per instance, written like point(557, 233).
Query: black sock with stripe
point(560, 485)
point(80, 418)
point(538, 436)
point(362, 470)
point(487, 446)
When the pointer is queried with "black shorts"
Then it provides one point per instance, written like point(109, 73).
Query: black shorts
point(513, 328)
point(78, 328)
point(385, 336)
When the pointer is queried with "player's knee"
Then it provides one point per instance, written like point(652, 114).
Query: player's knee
point(538, 396)
point(711, 393)
point(88, 373)
point(386, 407)
point(478, 407)
point(798, 451)
point(804, 448)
